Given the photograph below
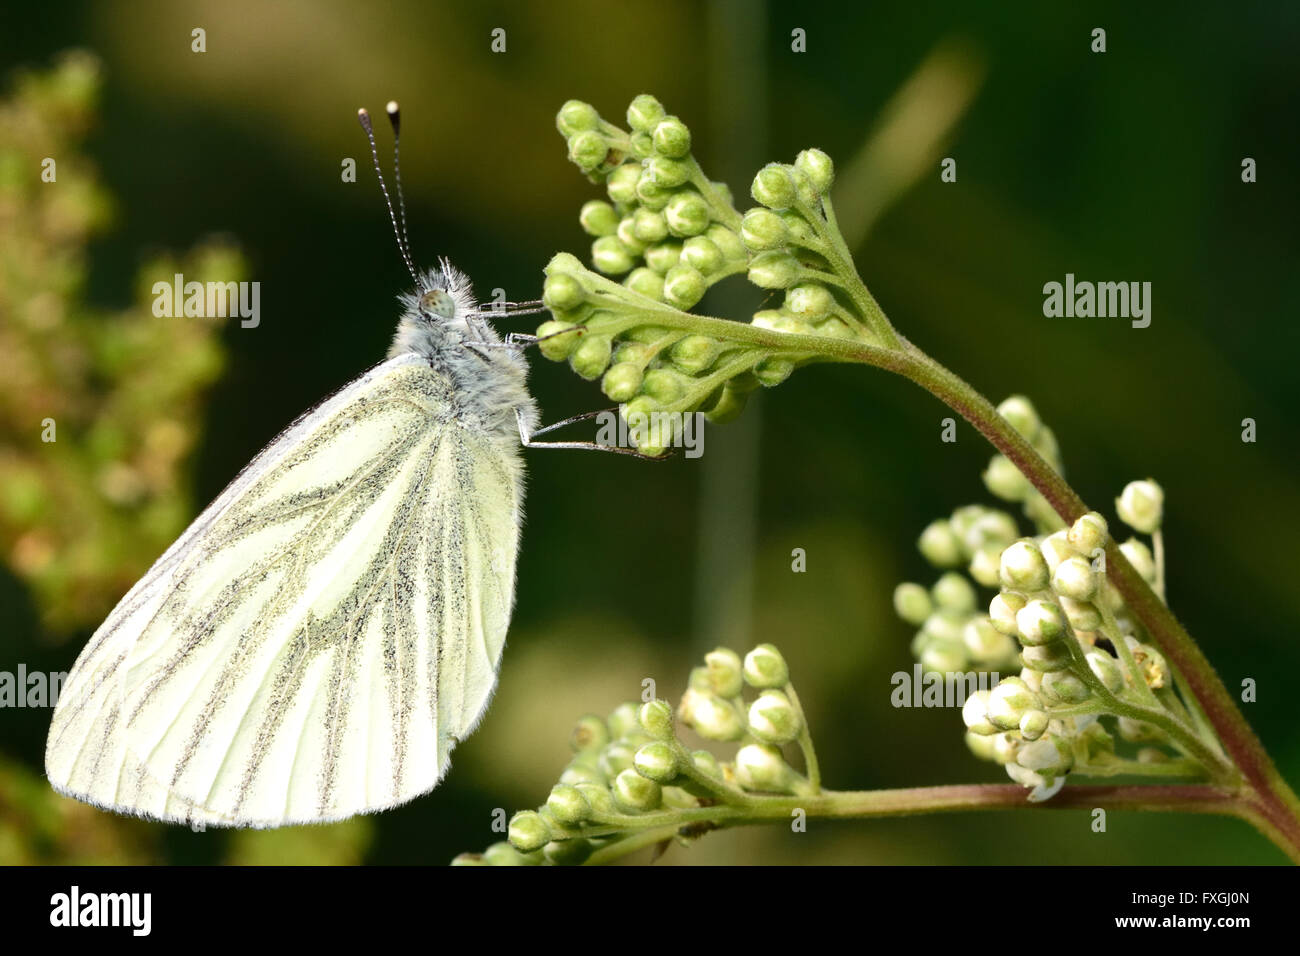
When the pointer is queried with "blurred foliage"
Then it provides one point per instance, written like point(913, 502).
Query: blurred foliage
point(1123, 166)
point(98, 408)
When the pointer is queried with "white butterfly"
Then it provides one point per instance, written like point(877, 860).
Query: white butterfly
point(327, 630)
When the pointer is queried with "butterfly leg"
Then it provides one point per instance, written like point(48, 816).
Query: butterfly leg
point(526, 437)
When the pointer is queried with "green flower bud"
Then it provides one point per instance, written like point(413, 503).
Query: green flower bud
point(803, 187)
point(762, 230)
point(774, 187)
point(974, 714)
point(773, 719)
point(503, 854)
point(939, 545)
point(954, 593)
point(1089, 533)
point(1074, 578)
point(587, 150)
point(598, 798)
point(664, 385)
point(1047, 755)
point(577, 773)
point(555, 346)
point(684, 286)
point(1023, 567)
point(562, 292)
point(656, 761)
point(1004, 479)
point(1046, 657)
point(1151, 755)
point(912, 603)
point(986, 565)
point(800, 232)
point(645, 113)
point(642, 146)
point(656, 719)
point(645, 281)
point(627, 235)
point(622, 381)
point(765, 667)
point(701, 253)
point(773, 371)
point(1141, 506)
point(1139, 555)
point(665, 173)
point(724, 668)
point(762, 767)
point(810, 301)
point(671, 138)
point(1007, 703)
point(1064, 687)
point(777, 321)
point(1003, 610)
point(706, 763)
point(688, 213)
point(1040, 622)
point(634, 793)
point(980, 745)
point(817, 166)
point(663, 257)
point(598, 218)
point(573, 852)
point(730, 403)
point(652, 193)
point(621, 183)
point(1022, 416)
point(985, 643)
point(622, 720)
point(835, 328)
point(614, 759)
point(1106, 670)
point(610, 256)
point(728, 241)
point(648, 226)
point(1082, 615)
point(774, 270)
point(591, 357)
point(576, 116)
point(1033, 724)
point(637, 353)
point(695, 353)
point(528, 831)
point(710, 716)
point(589, 734)
point(567, 805)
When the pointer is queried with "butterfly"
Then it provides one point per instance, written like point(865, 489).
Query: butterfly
point(321, 637)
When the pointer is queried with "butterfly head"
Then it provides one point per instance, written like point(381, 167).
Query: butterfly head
point(437, 304)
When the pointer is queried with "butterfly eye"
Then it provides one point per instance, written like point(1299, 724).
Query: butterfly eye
point(437, 302)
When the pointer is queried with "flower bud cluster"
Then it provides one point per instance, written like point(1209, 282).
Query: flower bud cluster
point(633, 762)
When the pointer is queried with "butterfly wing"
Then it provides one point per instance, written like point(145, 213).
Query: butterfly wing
point(322, 635)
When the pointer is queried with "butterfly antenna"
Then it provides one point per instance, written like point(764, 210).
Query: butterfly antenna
point(363, 117)
point(395, 120)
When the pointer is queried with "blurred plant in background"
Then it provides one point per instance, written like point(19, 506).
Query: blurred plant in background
point(98, 408)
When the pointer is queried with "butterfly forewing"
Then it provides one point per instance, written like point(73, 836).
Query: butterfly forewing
point(324, 632)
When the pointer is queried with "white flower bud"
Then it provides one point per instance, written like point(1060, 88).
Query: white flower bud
point(710, 716)
point(1074, 578)
point(985, 565)
point(984, 642)
point(1003, 610)
point(940, 546)
point(1056, 548)
point(1064, 687)
point(1033, 723)
point(974, 713)
point(1088, 533)
point(1082, 615)
point(912, 603)
point(1141, 505)
point(773, 719)
point(765, 667)
point(1022, 567)
point(1040, 622)
point(1022, 415)
point(1005, 480)
point(953, 592)
point(1047, 755)
point(1106, 669)
point(1008, 702)
point(762, 767)
point(1139, 555)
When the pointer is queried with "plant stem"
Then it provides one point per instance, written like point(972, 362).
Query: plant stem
point(913, 801)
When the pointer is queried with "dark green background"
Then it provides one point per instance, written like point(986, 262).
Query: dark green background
point(1122, 166)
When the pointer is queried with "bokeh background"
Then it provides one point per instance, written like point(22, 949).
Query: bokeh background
point(1122, 166)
